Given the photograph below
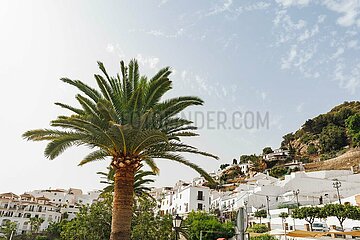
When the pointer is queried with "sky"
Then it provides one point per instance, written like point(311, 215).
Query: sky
point(262, 67)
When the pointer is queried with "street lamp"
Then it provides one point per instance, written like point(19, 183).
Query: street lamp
point(177, 220)
point(337, 185)
point(296, 193)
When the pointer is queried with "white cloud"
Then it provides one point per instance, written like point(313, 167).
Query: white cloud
point(225, 6)
point(150, 62)
point(287, 62)
point(349, 80)
point(253, 7)
point(288, 3)
point(340, 51)
point(348, 8)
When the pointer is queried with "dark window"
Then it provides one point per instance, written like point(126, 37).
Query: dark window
point(200, 195)
point(200, 206)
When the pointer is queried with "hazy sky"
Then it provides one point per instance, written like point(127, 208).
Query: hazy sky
point(292, 59)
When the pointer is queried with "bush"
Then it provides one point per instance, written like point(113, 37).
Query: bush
point(258, 228)
point(202, 221)
point(264, 237)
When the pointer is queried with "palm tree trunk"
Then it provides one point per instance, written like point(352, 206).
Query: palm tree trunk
point(122, 204)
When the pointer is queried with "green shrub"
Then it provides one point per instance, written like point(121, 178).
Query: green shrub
point(258, 228)
point(264, 237)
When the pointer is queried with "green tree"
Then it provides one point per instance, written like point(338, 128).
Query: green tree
point(223, 166)
point(353, 128)
point(212, 228)
point(278, 172)
point(140, 182)
point(287, 139)
point(307, 213)
point(35, 224)
point(332, 138)
point(312, 149)
point(147, 225)
point(260, 214)
point(342, 212)
point(8, 228)
point(91, 222)
point(128, 122)
point(267, 150)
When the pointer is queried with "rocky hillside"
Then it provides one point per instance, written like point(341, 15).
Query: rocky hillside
point(347, 161)
point(325, 136)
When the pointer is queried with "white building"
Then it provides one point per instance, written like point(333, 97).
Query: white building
point(184, 198)
point(20, 209)
point(69, 200)
point(51, 205)
point(276, 155)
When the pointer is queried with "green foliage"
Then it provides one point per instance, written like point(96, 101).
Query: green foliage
point(258, 228)
point(267, 150)
point(260, 214)
point(7, 228)
point(201, 221)
point(232, 173)
point(332, 138)
point(341, 212)
point(146, 225)
point(287, 138)
point(307, 213)
point(91, 223)
point(126, 117)
point(353, 127)
point(331, 130)
point(278, 172)
point(312, 149)
point(35, 224)
point(283, 215)
point(264, 237)
point(223, 166)
point(249, 158)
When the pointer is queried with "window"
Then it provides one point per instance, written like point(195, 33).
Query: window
point(200, 195)
point(200, 206)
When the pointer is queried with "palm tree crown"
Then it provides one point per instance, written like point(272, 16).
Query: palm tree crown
point(125, 120)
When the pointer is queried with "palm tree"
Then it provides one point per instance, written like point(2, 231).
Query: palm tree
point(127, 121)
point(35, 224)
point(140, 190)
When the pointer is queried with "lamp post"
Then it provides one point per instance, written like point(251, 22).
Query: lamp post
point(296, 193)
point(177, 220)
point(337, 185)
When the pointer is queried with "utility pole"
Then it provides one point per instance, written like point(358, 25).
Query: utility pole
point(296, 193)
point(268, 210)
point(268, 206)
point(337, 185)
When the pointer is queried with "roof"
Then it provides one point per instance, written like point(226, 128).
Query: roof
point(26, 195)
point(9, 194)
point(43, 198)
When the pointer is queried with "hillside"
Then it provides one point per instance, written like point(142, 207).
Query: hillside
point(347, 161)
point(325, 136)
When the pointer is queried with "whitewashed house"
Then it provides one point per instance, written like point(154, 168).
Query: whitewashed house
point(184, 198)
point(20, 209)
